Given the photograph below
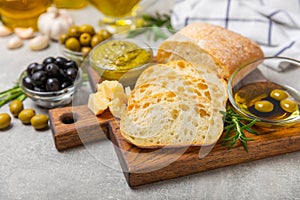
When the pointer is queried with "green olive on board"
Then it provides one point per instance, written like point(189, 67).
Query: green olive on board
point(278, 94)
point(39, 121)
point(263, 106)
point(26, 115)
point(4, 120)
point(288, 105)
point(15, 107)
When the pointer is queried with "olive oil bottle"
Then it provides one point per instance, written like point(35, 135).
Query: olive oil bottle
point(22, 13)
point(71, 4)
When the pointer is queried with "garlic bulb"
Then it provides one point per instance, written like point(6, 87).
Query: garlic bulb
point(54, 22)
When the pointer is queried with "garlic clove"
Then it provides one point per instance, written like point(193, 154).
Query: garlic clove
point(39, 42)
point(5, 31)
point(24, 33)
point(14, 43)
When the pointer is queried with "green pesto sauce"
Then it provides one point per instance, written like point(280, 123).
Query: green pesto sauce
point(120, 55)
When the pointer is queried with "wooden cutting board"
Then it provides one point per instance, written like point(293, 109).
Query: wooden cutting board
point(142, 166)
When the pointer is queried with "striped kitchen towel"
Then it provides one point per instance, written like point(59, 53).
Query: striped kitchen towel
point(273, 24)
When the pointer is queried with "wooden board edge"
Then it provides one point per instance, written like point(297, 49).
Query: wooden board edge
point(67, 135)
point(225, 157)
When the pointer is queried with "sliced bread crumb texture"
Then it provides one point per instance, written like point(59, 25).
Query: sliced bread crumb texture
point(172, 105)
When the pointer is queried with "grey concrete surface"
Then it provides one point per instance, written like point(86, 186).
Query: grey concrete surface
point(32, 169)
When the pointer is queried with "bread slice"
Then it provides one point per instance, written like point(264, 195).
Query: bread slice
point(160, 113)
point(174, 105)
point(216, 87)
point(209, 45)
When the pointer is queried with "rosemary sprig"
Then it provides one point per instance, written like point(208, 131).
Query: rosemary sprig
point(154, 23)
point(235, 127)
point(11, 94)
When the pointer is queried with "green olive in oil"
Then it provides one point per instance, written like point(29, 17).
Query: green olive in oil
point(268, 100)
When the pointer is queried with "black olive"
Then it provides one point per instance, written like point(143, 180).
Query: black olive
point(60, 61)
point(61, 77)
point(65, 85)
point(52, 84)
point(52, 70)
point(48, 60)
point(63, 73)
point(71, 73)
point(39, 78)
point(38, 67)
point(71, 64)
point(30, 67)
point(27, 82)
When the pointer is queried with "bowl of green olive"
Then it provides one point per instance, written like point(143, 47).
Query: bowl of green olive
point(52, 82)
point(77, 43)
point(268, 90)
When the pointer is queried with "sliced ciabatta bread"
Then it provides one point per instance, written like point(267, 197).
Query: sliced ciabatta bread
point(209, 45)
point(173, 105)
point(216, 87)
point(160, 113)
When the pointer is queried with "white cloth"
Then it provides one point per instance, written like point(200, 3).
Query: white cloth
point(273, 24)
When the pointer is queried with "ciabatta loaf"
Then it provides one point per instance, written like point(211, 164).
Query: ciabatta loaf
point(173, 105)
point(209, 45)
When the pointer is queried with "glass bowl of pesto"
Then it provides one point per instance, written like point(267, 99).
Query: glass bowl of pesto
point(121, 59)
point(268, 90)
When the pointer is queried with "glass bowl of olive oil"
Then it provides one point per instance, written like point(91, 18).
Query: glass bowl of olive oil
point(122, 59)
point(267, 89)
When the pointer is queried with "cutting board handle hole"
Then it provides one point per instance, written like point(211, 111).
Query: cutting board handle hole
point(69, 118)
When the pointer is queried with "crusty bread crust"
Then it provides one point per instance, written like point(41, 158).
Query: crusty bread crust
point(228, 50)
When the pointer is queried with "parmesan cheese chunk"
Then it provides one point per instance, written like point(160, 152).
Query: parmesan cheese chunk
point(98, 103)
point(110, 94)
point(117, 107)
